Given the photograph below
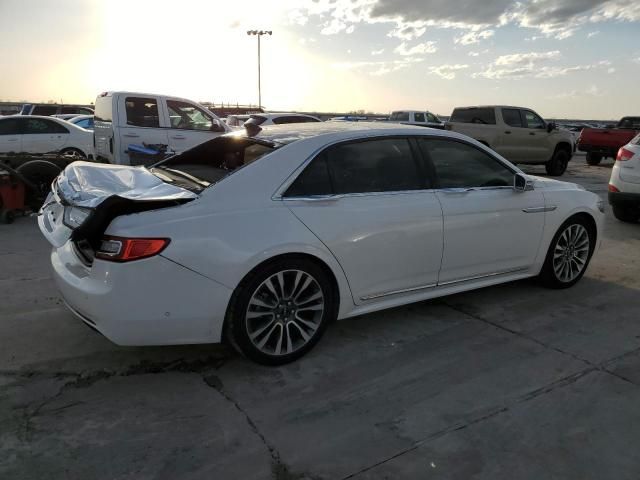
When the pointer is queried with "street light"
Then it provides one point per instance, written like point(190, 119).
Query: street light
point(259, 33)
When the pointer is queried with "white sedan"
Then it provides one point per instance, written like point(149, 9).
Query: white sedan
point(40, 134)
point(263, 240)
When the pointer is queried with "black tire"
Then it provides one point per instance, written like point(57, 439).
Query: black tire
point(548, 276)
point(626, 215)
point(73, 153)
point(40, 174)
point(237, 325)
point(558, 163)
point(593, 158)
point(7, 216)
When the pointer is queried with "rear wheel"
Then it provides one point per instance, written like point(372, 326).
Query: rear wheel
point(626, 214)
point(569, 254)
point(558, 163)
point(279, 312)
point(593, 158)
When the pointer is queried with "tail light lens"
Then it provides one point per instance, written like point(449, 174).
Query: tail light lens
point(612, 188)
point(624, 155)
point(120, 249)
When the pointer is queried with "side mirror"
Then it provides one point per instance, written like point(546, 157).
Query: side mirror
point(521, 183)
point(551, 126)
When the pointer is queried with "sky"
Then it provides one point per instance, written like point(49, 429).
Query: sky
point(563, 58)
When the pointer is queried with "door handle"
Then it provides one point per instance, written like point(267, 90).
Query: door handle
point(508, 132)
point(130, 135)
point(531, 133)
point(178, 137)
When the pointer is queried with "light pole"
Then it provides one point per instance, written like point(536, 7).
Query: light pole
point(259, 33)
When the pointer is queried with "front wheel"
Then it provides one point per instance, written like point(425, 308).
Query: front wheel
point(593, 158)
point(279, 312)
point(558, 163)
point(569, 254)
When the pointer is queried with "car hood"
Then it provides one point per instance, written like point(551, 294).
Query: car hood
point(551, 184)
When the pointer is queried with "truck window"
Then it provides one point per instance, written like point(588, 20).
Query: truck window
point(629, 122)
point(532, 120)
point(187, 116)
point(511, 117)
point(399, 117)
point(431, 118)
point(418, 117)
point(45, 110)
point(483, 116)
point(104, 109)
point(142, 112)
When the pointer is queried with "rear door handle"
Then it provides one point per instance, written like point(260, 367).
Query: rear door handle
point(508, 132)
point(131, 135)
point(178, 137)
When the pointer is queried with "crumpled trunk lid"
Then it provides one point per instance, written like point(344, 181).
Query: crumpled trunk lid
point(102, 192)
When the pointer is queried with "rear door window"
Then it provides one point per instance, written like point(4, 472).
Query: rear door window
point(432, 118)
point(186, 116)
point(142, 112)
point(418, 117)
point(399, 116)
point(42, 126)
point(483, 116)
point(10, 126)
point(314, 180)
point(511, 117)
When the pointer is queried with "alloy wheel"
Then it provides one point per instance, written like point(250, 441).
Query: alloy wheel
point(571, 253)
point(284, 312)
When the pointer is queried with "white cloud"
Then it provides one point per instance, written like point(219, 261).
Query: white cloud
point(448, 72)
point(377, 52)
point(419, 49)
point(408, 31)
point(593, 34)
point(473, 37)
point(380, 67)
point(611, 70)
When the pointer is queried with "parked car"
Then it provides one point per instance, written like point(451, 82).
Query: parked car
point(236, 121)
point(41, 134)
point(83, 121)
point(518, 134)
point(624, 185)
point(421, 118)
point(126, 118)
point(48, 109)
point(264, 119)
point(601, 143)
point(265, 239)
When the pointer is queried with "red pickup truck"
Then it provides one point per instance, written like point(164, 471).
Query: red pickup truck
point(601, 143)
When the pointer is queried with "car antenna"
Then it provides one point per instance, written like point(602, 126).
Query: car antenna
point(252, 130)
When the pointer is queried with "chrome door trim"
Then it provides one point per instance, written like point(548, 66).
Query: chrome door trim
point(395, 292)
point(550, 208)
point(487, 275)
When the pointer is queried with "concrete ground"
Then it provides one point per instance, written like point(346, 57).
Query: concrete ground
point(513, 381)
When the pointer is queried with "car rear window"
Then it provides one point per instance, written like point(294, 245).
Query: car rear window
point(483, 116)
point(399, 116)
point(211, 161)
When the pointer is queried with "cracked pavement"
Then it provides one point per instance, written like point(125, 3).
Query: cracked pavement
point(512, 381)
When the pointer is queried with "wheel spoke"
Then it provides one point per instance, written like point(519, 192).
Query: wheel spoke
point(304, 334)
point(267, 336)
point(289, 344)
point(261, 330)
point(317, 295)
point(259, 303)
point(251, 315)
point(306, 323)
point(272, 288)
point(307, 282)
point(278, 348)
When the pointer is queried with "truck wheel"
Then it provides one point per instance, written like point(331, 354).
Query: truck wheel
point(593, 158)
point(627, 215)
point(558, 163)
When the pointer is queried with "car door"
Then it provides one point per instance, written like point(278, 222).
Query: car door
point(489, 227)
point(368, 202)
point(189, 125)
point(140, 124)
point(514, 140)
point(42, 136)
point(11, 135)
point(538, 137)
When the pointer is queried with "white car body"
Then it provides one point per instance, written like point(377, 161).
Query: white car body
point(43, 134)
point(129, 118)
point(420, 118)
point(82, 121)
point(624, 184)
point(266, 119)
point(383, 249)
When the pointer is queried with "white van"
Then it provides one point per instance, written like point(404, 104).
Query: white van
point(126, 118)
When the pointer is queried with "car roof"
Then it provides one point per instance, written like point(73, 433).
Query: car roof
point(492, 106)
point(281, 114)
point(291, 132)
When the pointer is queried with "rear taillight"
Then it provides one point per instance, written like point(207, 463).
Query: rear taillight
point(612, 188)
point(624, 155)
point(120, 249)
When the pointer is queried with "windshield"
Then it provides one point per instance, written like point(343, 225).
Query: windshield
point(211, 161)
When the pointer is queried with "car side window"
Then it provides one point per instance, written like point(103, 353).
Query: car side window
point(532, 120)
point(45, 110)
point(40, 126)
point(432, 118)
point(314, 180)
point(188, 117)
point(418, 117)
point(10, 126)
point(459, 165)
point(511, 117)
point(381, 165)
point(142, 112)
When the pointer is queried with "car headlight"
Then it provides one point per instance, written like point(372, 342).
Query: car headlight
point(75, 216)
point(600, 205)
